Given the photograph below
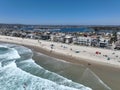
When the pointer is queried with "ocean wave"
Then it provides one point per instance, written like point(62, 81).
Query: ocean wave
point(21, 72)
point(8, 55)
point(76, 72)
point(14, 78)
point(33, 68)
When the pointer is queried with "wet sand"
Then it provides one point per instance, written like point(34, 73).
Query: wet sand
point(109, 75)
point(89, 54)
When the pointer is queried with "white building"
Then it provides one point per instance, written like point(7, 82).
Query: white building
point(84, 40)
point(68, 39)
point(118, 35)
point(56, 38)
point(31, 36)
point(74, 40)
point(103, 42)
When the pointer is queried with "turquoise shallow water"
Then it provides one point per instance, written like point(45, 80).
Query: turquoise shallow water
point(18, 71)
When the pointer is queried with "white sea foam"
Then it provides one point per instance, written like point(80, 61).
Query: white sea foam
point(3, 46)
point(11, 53)
point(14, 78)
point(41, 72)
point(0, 64)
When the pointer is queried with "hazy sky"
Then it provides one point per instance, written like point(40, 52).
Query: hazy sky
point(60, 11)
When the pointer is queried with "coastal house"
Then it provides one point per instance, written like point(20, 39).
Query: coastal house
point(108, 34)
point(75, 40)
point(68, 39)
point(117, 45)
point(45, 37)
point(94, 41)
point(31, 36)
point(15, 33)
point(57, 38)
point(84, 40)
point(62, 39)
point(103, 42)
point(52, 37)
point(100, 41)
point(23, 35)
point(118, 35)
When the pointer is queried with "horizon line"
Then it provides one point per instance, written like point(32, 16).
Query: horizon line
point(65, 24)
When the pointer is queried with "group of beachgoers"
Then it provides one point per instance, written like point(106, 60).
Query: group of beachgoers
point(102, 56)
point(84, 52)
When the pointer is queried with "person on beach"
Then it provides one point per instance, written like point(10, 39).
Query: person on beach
point(51, 47)
point(39, 41)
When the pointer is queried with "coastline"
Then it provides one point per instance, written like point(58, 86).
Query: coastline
point(77, 59)
point(107, 72)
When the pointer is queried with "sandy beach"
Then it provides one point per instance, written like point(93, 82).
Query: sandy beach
point(71, 52)
point(107, 70)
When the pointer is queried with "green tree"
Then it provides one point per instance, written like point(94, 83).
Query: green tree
point(113, 38)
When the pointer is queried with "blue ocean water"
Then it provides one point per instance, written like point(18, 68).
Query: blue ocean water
point(82, 29)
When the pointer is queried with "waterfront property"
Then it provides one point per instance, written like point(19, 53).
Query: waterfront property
point(99, 38)
point(84, 41)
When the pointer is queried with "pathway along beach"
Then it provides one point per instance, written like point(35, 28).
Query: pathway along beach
point(108, 71)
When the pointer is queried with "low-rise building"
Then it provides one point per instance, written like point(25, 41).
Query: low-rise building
point(84, 40)
point(103, 42)
point(118, 35)
point(68, 39)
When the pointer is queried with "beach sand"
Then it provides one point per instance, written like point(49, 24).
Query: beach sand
point(109, 75)
point(63, 51)
point(107, 70)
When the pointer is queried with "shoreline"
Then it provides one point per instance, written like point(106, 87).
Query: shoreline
point(33, 44)
point(108, 73)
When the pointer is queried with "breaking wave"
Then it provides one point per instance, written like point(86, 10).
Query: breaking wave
point(18, 71)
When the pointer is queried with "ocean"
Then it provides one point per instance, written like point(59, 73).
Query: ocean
point(18, 71)
point(68, 30)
